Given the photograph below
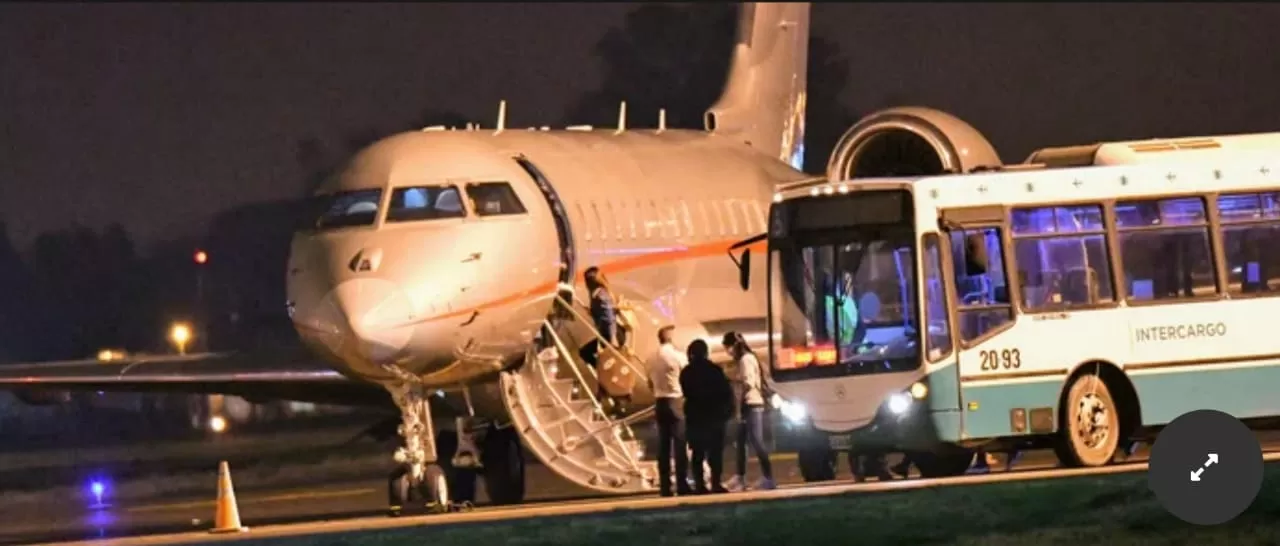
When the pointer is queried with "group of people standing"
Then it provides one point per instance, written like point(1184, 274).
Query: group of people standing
point(696, 400)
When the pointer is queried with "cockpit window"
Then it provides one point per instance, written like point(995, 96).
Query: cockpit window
point(494, 199)
point(349, 209)
point(424, 203)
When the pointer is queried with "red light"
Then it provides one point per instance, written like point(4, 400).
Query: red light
point(800, 357)
point(201, 257)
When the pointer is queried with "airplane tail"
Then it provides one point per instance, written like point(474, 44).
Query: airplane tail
point(763, 101)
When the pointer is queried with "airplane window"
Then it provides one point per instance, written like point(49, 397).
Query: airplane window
point(348, 209)
point(617, 224)
point(631, 217)
point(494, 199)
point(424, 203)
point(688, 219)
point(706, 219)
point(730, 212)
point(760, 215)
point(669, 210)
point(582, 219)
point(651, 225)
point(720, 219)
point(595, 211)
point(748, 221)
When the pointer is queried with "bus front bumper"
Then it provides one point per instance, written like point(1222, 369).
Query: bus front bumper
point(918, 428)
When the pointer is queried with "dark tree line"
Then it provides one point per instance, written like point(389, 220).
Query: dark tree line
point(76, 290)
point(676, 56)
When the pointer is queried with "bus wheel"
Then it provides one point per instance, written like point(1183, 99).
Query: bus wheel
point(945, 462)
point(1090, 431)
point(817, 464)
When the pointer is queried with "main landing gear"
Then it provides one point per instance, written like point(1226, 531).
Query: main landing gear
point(449, 484)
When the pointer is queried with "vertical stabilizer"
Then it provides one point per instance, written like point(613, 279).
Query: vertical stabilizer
point(764, 96)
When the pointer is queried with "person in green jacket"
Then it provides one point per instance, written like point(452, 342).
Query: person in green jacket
point(850, 319)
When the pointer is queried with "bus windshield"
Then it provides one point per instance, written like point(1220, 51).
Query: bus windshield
point(844, 303)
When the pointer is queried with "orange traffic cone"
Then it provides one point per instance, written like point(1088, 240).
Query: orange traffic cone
point(226, 517)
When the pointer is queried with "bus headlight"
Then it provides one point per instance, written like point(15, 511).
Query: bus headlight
point(793, 411)
point(918, 390)
point(899, 403)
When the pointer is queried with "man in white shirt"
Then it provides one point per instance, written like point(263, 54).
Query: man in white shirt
point(664, 379)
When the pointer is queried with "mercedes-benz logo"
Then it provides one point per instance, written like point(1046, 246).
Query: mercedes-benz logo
point(840, 392)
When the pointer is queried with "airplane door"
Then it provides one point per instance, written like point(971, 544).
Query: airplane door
point(568, 259)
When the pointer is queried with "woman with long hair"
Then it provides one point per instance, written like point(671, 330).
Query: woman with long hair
point(752, 387)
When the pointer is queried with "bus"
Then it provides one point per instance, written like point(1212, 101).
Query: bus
point(1074, 307)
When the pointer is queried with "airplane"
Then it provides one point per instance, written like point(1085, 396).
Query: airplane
point(445, 268)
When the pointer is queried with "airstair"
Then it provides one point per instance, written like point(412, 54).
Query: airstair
point(553, 405)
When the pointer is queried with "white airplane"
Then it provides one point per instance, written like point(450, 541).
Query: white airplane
point(443, 266)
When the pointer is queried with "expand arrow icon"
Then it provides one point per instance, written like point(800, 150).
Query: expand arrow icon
point(1195, 474)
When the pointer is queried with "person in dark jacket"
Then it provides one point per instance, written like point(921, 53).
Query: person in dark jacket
point(708, 405)
point(605, 319)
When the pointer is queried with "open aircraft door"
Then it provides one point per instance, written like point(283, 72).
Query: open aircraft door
point(560, 214)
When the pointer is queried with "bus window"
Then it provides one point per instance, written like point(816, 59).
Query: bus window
point(938, 326)
point(1061, 254)
point(1250, 229)
point(1164, 247)
point(981, 287)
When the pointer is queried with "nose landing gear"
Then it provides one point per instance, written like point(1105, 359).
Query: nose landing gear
point(418, 470)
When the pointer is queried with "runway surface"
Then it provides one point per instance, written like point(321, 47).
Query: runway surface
point(597, 506)
point(350, 505)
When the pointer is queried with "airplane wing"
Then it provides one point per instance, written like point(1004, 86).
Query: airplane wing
point(291, 373)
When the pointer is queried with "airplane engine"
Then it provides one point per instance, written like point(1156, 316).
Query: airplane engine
point(909, 141)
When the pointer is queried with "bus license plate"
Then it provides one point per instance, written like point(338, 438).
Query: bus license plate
point(841, 442)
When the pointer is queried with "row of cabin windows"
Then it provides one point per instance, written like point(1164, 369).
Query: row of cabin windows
point(669, 219)
point(1062, 259)
point(603, 220)
point(418, 203)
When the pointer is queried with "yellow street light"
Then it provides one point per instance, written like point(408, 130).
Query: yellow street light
point(180, 334)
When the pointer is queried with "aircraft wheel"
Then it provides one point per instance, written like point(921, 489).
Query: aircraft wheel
point(398, 488)
point(435, 489)
point(817, 464)
point(461, 481)
point(1090, 432)
point(503, 459)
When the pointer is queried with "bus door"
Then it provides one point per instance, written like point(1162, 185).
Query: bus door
point(977, 240)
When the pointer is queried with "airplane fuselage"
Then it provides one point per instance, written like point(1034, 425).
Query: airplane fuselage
point(449, 279)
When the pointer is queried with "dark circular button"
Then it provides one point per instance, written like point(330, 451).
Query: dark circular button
point(1205, 467)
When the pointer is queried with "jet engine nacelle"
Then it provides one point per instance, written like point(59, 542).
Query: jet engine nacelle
point(909, 141)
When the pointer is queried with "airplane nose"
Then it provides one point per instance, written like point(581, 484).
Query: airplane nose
point(365, 317)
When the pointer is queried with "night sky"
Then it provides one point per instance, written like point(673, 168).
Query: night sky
point(159, 116)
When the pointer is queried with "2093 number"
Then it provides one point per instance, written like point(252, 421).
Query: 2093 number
point(1000, 359)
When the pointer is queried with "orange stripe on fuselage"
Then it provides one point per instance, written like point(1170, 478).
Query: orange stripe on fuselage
point(630, 263)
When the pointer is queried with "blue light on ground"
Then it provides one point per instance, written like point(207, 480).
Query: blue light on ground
point(97, 488)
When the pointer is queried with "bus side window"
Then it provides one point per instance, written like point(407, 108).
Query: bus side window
point(1250, 228)
point(1062, 258)
point(1164, 247)
point(983, 293)
point(936, 322)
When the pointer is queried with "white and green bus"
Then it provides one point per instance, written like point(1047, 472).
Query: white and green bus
point(1072, 307)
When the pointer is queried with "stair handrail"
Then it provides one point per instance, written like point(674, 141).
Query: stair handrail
point(590, 324)
point(598, 409)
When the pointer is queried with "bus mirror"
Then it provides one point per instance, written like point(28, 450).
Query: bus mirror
point(975, 254)
point(744, 269)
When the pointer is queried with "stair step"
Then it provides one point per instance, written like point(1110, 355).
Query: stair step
point(562, 427)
